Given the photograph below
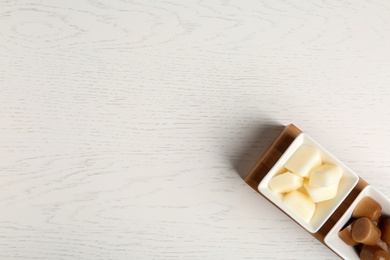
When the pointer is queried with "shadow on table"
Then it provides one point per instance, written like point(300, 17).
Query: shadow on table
point(257, 141)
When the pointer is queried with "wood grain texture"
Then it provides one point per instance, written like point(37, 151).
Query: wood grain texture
point(271, 155)
point(125, 126)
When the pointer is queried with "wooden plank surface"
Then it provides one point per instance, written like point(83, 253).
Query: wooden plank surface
point(271, 155)
point(126, 126)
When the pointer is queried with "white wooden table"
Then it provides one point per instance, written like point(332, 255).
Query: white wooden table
point(125, 125)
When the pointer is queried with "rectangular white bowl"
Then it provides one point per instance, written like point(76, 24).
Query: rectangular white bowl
point(324, 209)
point(332, 239)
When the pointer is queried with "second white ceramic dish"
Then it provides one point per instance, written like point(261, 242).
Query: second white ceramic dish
point(332, 239)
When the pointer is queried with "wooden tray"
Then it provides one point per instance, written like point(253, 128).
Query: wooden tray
point(272, 155)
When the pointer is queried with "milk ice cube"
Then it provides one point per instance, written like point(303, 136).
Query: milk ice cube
point(305, 158)
point(318, 194)
point(300, 204)
point(325, 175)
point(285, 182)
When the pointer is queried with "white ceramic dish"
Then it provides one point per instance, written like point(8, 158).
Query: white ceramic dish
point(324, 209)
point(333, 240)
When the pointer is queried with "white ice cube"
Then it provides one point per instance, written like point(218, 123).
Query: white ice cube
point(285, 182)
point(318, 194)
point(300, 204)
point(325, 175)
point(304, 159)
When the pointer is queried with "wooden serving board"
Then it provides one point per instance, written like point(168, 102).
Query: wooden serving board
point(272, 155)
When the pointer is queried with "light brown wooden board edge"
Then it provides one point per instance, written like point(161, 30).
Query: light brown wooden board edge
point(272, 155)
